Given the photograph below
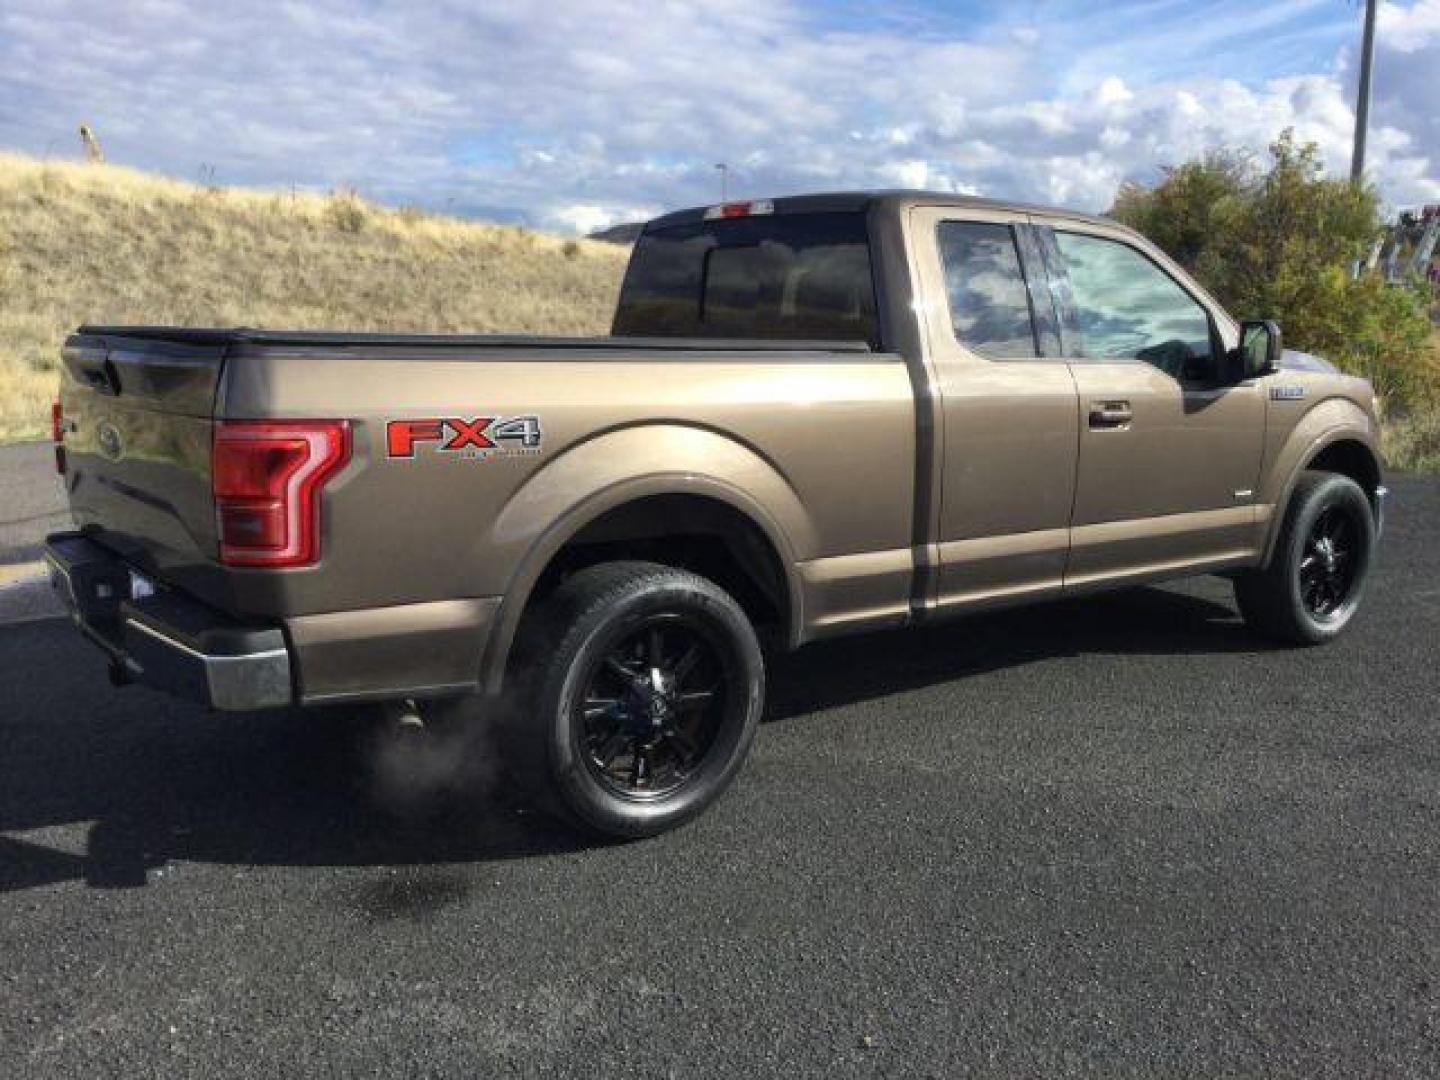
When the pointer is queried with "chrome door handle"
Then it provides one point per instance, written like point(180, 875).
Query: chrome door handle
point(1109, 415)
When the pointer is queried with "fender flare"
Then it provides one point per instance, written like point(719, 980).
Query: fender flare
point(1311, 447)
point(596, 464)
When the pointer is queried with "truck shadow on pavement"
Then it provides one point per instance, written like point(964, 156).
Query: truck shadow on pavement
point(1138, 622)
point(160, 780)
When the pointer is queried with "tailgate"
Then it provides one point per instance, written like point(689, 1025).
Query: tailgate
point(137, 414)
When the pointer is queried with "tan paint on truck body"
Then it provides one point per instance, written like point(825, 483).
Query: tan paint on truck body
point(764, 432)
point(888, 486)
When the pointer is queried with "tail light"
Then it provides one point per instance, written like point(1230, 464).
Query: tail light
point(267, 476)
point(57, 434)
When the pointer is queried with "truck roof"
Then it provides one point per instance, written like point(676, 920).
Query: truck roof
point(859, 201)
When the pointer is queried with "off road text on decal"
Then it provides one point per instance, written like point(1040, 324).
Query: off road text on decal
point(480, 437)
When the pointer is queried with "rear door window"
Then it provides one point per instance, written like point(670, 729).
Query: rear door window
point(989, 302)
point(783, 276)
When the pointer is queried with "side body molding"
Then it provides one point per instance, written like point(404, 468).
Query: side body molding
point(621, 466)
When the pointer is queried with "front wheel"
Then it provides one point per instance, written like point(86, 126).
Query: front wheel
point(644, 696)
point(1316, 578)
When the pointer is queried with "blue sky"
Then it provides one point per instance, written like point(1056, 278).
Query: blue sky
point(572, 114)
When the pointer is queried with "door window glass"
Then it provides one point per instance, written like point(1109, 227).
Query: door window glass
point(1127, 308)
point(989, 304)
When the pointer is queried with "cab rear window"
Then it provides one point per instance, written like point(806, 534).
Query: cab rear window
point(786, 276)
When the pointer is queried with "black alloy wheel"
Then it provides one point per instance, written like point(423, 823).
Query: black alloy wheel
point(1327, 567)
point(653, 706)
point(643, 696)
point(1312, 586)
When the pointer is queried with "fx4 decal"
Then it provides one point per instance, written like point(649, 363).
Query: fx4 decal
point(483, 436)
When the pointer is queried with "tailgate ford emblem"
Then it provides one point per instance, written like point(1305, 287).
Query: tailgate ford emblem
point(108, 435)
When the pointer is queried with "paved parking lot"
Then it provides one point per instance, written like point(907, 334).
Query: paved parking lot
point(1118, 836)
point(31, 505)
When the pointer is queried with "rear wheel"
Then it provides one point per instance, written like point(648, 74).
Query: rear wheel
point(1316, 578)
point(643, 699)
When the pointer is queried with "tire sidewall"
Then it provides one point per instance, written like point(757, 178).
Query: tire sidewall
point(1332, 492)
point(584, 795)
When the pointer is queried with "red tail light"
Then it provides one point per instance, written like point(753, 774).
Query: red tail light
point(267, 476)
point(57, 434)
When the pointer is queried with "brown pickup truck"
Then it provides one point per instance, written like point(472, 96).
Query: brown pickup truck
point(817, 415)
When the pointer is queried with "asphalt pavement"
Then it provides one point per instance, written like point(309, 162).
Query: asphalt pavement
point(1119, 837)
point(32, 503)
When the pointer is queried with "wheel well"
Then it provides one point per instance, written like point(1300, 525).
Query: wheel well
point(1352, 459)
point(692, 532)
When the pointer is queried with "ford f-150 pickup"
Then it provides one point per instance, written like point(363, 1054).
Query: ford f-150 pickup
point(816, 415)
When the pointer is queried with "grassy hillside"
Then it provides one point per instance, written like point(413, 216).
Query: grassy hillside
point(84, 243)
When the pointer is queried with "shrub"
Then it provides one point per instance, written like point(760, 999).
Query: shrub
point(1278, 243)
point(1372, 329)
point(1413, 441)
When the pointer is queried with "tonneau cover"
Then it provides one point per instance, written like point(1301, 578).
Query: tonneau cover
point(241, 335)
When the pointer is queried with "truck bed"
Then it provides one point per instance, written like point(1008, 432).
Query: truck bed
point(813, 420)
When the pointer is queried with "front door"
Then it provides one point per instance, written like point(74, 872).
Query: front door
point(1169, 454)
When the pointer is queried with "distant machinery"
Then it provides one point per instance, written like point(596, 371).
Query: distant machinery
point(1407, 248)
point(93, 153)
point(1425, 249)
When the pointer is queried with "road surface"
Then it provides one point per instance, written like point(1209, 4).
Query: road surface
point(1119, 836)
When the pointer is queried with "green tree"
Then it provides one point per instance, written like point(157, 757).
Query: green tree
point(1193, 204)
point(1278, 243)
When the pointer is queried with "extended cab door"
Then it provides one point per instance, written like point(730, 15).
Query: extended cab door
point(1169, 453)
point(1007, 438)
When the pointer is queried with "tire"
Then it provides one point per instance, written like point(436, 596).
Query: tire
point(649, 751)
point(1309, 593)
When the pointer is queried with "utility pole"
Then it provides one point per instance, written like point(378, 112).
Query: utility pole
point(1362, 104)
point(724, 171)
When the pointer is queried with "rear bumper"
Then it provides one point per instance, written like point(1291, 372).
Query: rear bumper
point(165, 639)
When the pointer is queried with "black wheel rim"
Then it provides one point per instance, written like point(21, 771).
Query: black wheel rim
point(1329, 563)
point(654, 706)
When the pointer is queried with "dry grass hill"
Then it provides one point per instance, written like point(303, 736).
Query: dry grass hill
point(102, 243)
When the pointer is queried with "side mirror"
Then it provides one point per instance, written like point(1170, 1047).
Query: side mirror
point(1260, 349)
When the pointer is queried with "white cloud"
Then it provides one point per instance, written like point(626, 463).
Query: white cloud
point(1114, 138)
point(1113, 91)
point(1408, 29)
point(586, 218)
point(602, 111)
point(906, 174)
